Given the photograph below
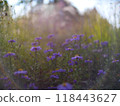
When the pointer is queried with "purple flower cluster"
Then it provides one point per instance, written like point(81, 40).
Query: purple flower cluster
point(101, 72)
point(34, 43)
point(11, 41)
point(71, 62)
point(55, 55)
point(105, 43)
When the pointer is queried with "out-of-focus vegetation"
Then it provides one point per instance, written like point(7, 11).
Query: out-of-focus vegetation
point(83, 72)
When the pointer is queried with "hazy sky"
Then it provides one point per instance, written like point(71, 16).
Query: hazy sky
point(106, 8)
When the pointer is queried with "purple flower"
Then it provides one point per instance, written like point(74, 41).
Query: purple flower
point(101, 72)
point(34, 43)
point(51, 44)
point(54, 76)
point(71, 62)
point(9, 54)
point(50, 58)
point(91, 36)
point(35, 48)
point(75, 37)
point(4, 78)
point(68, 40)
point(77, 57)
point(71, 70)
point(38, 38)
point(48, 50)
point(96, 41)
point(74, 81)
point(11, 41)
point(32, 85)
point(88, 61)
point(64, 86)
point(118, 54)
point(82, 35)
point(20, 71)
point(50, 36)
point(26, 77)
point(57, 54)
point(65, 43)
point(105, 43)
point(114, 61)
point(69, 49)
point(59, 70)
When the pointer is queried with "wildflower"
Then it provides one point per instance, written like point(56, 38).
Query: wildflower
point(75, 37)
point(82, 35)
point(34, 43)
point(74, 81)
point(105, 43)
point(88, 61)
point(35, 48)
point(59, 70)
point(3, 78)
point(71, 70)
point(9, 54)
point(20, 71)
point(91, 36)
point(54, 76)
point(48, 50)
point(64, 86)
point(51, 44)
point(38, 38)
point(32, 85)
point(69, 49)
point(65, 43)
point(101, 72)
point(50, 36)
point(118, 54)
point(96, 41)
point(26, 77)
point(71, 62)
point(11, 41)
point(57, 54)
point(114, 61)
point(50, 58)
point(76, 57)
point(68, 40)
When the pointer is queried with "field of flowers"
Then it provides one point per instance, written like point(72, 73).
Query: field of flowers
point(39, 61)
